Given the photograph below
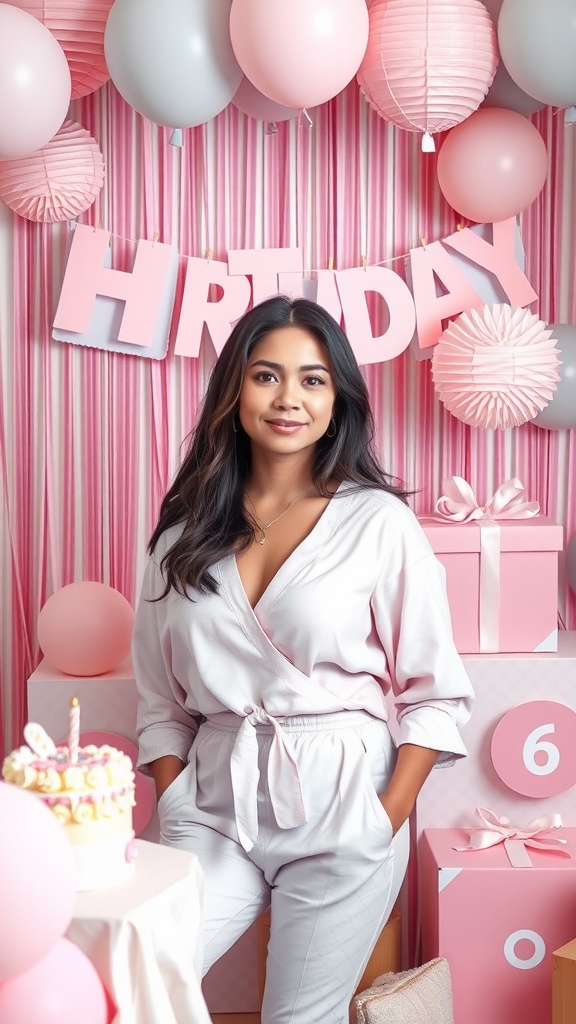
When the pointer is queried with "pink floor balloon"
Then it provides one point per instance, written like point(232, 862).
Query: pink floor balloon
point(37, 883)
point(62, 988)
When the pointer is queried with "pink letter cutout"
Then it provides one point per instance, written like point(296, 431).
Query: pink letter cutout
point(352, 287)
point(428, 263)
point(498, 258)
point(143, 290)
point(198, 309)
point(272, 271)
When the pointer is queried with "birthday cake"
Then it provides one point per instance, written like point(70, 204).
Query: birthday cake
point(90, 793)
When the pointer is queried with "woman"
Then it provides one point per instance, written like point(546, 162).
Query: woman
point(289, 590)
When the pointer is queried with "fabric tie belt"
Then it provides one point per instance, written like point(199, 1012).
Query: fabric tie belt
point(283, 778)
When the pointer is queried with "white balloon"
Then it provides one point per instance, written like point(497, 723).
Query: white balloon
point(537, 40)
point(560, 413)
point(504, 92)
point(173, 62)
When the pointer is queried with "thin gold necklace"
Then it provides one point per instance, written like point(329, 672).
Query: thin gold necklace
point(259, 522)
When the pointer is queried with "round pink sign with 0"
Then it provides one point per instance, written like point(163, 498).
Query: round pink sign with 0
point(533, 748)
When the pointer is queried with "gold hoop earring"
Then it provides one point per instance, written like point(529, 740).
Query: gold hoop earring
point(333, 434)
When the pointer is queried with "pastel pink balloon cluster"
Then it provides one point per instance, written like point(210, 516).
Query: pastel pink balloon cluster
point(44, 978)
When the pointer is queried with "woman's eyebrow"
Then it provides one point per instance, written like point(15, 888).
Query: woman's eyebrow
point(279, 366)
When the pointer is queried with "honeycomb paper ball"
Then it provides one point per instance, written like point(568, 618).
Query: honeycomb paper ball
point(85, 628)
point(57, 182)
point(496, 367)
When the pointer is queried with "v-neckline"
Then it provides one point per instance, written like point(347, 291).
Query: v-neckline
point(291, 564)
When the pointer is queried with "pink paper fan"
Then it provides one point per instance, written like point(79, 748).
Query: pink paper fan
point(79, 28)
point(496, 367)
point(57, 182)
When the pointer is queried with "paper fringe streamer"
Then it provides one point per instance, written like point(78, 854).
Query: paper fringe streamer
point(496, 367)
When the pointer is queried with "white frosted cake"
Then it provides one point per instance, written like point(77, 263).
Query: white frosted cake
point(92, 796)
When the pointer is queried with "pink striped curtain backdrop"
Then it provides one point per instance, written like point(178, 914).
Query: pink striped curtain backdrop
point(89, 440)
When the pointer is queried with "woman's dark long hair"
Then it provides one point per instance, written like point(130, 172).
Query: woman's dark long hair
point(207, 492)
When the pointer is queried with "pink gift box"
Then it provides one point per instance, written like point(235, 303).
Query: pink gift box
point(497, 925)
point(528, 592)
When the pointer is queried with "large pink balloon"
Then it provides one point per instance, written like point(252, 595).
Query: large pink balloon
point(493, 165)
point(35, 83)
point(37, 882)
point(85, 629)
point(62, 988)
point(302, 52)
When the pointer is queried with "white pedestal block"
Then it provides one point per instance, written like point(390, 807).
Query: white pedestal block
point(107, 702)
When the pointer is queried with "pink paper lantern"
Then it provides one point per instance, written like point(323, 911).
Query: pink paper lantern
point(57, 182)
point(496, 367)
point(429, 63)
point(79, 28)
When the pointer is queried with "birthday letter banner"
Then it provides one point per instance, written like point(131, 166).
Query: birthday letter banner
point(136, 311)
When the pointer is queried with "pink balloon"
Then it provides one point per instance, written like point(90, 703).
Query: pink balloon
point(37, 882)
point(300, 53)
point(493, 165)
point(35, 84)
point(258, 106)
point(62, 988)
point(85, 629)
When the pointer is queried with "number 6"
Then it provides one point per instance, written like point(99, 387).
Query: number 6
point(533, 744)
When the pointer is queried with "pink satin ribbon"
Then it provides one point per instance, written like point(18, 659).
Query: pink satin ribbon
point(458, 504)
point(499, 830)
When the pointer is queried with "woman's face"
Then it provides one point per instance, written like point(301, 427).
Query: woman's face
point(288, 391)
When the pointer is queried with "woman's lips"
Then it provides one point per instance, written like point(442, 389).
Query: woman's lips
point(285, 426)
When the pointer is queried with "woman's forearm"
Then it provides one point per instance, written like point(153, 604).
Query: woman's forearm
point(413, 766)
point(164, 770)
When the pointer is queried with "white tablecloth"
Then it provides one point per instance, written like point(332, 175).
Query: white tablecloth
point(144, 938)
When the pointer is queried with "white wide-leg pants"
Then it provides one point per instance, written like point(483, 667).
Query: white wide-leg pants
point(331, 882)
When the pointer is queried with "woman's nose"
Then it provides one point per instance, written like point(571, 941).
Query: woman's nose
point(287, 395)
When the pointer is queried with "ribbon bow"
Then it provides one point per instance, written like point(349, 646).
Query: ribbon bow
point(459, 503)
point(499, 830)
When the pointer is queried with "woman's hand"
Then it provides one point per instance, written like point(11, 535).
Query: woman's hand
point(413, 766)
point(164, 770)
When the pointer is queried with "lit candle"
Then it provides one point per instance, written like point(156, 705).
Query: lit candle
point(74, 730)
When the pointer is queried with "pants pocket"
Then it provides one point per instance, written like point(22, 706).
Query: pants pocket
point(379, 761)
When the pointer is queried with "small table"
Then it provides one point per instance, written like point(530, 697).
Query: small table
point(144, 937)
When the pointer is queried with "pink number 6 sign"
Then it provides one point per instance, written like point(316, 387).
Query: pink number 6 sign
point(533, 748)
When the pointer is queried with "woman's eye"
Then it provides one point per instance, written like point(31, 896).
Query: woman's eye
point(314, 381)
point(265, 377)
